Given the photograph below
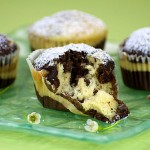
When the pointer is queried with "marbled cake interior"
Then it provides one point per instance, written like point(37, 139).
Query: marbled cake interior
point(82, 75)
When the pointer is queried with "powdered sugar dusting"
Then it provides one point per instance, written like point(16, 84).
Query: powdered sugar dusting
point(67, 23)
point(49, 55)
point(139, 42)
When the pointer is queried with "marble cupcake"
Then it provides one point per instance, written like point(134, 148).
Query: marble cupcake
point(135, 59)
point(9, 53)
point(77, 78)
point(70, 26)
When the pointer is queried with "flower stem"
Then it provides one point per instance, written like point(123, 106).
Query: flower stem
point(108, 127)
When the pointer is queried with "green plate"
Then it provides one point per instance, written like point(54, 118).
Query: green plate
point(20, 100)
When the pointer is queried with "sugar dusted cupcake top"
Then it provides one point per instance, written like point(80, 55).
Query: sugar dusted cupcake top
point(49, 55)
point(7, 46)
point(138, 43)
point(69, 24)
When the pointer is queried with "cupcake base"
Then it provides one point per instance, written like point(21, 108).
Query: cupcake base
point(8, 68)
point(100, 45)
point(136, 79)
point(6, 82)
point(48, 102)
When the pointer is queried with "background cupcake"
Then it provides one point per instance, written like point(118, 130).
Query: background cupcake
point(8, 61)
point(70, 26)
point(135, 59)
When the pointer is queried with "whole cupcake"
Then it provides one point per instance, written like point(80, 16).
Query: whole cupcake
point(8, 61)
point(70, 26)
point(135, 59)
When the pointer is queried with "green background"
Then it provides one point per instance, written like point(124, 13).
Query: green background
point(121, 17)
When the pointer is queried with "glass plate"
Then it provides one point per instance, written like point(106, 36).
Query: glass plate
point(20, 100)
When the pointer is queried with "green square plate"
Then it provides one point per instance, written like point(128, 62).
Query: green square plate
point(20, 100)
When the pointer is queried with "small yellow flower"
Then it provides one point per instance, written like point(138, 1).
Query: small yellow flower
point(91, 126)
point(34, 118)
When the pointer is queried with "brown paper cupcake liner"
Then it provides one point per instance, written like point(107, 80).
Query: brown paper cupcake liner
point(39, 42)
point(137, 80)
point(48, 102)
point(8, 68)
point(135, 71)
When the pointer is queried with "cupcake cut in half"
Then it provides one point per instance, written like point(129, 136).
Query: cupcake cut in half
point(135, 59)
point(69, 26)
point(77, 78)
point(9, 53)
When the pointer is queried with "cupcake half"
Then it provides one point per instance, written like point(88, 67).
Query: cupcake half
point(77, 78)
point(135, 59)
point(9, 53)
point(70, 26)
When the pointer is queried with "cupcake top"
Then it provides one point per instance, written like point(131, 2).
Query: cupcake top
point(68, 24)
point(7, 46)
point(138, 43)
point(48, 56)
